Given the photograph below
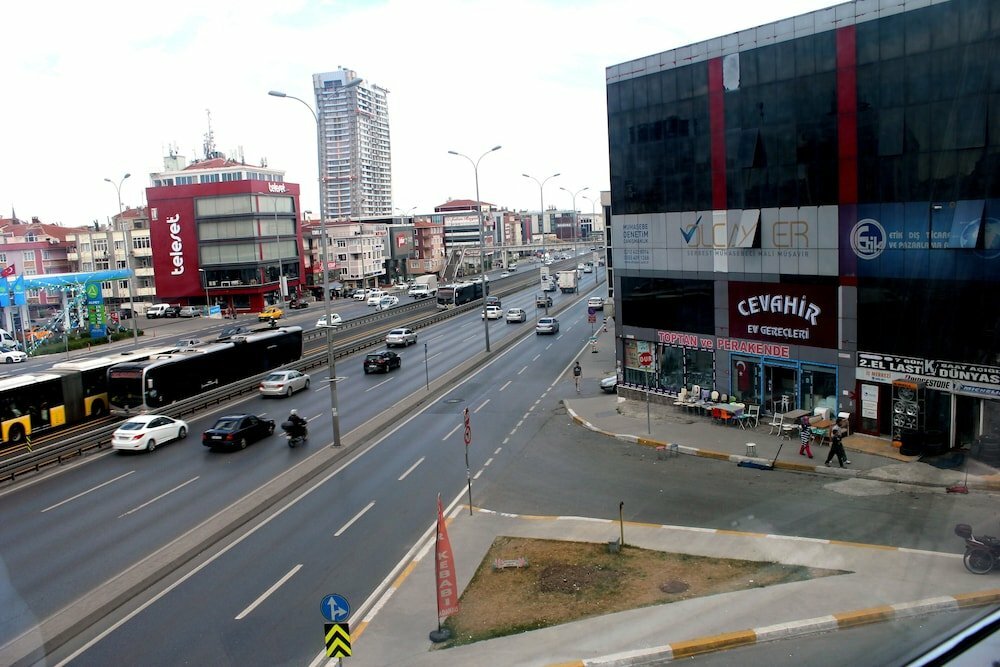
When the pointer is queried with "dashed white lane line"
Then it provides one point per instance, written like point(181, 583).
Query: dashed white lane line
point(267, 593)
point(376, 386)
point(488, 461)
point(410, 469)
point(451, 432)
point(436, 354)
point(356, 517)
point(506, 384)
point(162, 495)
point(549, 345)
point(476, 476)
point(535, 358)
point(524, 369)
point(497, 450)
point(481, 406)
point(83, 493)
point(326, 383)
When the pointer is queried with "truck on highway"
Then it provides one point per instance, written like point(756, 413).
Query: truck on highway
point(424, 286)
point(567, 281)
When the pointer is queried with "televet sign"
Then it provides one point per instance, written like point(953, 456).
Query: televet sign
point(784, 313)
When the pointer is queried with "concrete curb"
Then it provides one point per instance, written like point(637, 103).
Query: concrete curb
point(991, 484)
point(800, 628)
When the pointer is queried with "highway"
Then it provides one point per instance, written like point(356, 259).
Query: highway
point(67, 532)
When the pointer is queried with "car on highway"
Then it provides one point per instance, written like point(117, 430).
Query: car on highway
point(595, 302)
point(401, 337)
point(381, 362)
point(283, 383)
point(493, 301)
point(492, 313)
point(234, 330)
point(146, 432)
point(335, 321)
point(543, 301)
point(551, 286)
point(505, 274)
point(547, 325)
point(13, 356)
point(609, 385)
point(237, 431)
point(270, 313)
point(588, 267)
point(515, 315)
point(374, 296)
point(190, 311)
point(360, 294)
point(297, 304)
point(387, 302)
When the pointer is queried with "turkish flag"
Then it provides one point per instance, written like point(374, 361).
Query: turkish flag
point(7, 271)
point(445, 580)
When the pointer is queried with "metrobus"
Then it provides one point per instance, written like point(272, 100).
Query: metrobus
point(65, 394)
point(136, 387)
point(456, 294)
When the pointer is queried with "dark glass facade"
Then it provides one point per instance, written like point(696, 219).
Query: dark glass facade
point(649, 302)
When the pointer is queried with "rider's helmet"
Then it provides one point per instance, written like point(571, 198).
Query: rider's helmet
point(294, 412)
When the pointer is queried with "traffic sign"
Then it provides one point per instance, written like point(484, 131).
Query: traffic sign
point(337, 639)
point(335, 608)
point(646, 358)
point(591, 310)
point(591, 318)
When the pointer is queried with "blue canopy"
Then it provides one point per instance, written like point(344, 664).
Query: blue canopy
point(63, 280)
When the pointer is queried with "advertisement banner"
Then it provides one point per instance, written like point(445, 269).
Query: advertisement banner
point(798, 314)
point(174, 239)
point(960, 378)
point(96, 315)
point(19, 292)
point(445, 578)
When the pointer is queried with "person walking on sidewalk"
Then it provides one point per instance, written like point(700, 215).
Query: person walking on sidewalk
point(577, 372)
point(805, 438)
point(837, 445)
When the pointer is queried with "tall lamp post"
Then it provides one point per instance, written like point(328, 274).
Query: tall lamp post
point(482, 236)
point(331, 362)
point(576, 219)
point(541, 199)
point(204, 283)
point(128, 259)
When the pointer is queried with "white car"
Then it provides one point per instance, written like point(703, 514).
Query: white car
point(147, 432)
point(387, 302)
point(13, 356)
point(374, 296)
point(283, 383)
point(505, 274)
point(595, 302)
point(360, 295)
point(402, 337)
point(190, 311)
point(492, 313)
point(335, 321)
point(516, 315)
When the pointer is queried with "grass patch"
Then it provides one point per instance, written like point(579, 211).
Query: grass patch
point(567, 581)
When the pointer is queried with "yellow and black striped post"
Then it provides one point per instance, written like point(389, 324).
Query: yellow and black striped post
point(338, 639)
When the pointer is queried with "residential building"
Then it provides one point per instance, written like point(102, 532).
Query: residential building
point(358, 250)
point(428, 247)
point(399, 251)
point(356, 164)
point(36, 248)
point(805, 215)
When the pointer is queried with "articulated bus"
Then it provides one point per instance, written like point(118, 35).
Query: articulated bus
point(65, 394)
point(137, 387)
point(456, 294)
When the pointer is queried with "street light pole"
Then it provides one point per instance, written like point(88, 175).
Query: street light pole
point(204, 277)
point(541, 200)
point(576, 219)
point(128, 260)
point(482, 236)
point(331, 362)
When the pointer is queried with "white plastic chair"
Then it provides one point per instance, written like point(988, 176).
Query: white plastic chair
point(776, 423)
point(846, 416)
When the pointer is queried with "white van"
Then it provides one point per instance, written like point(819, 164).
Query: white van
point(374, 296)
point(157, 310)
point(7, 341)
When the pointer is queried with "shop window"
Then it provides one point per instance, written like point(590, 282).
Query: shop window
point(746, 380)
point(700, 367)
point(818, 387)
point(670, 368)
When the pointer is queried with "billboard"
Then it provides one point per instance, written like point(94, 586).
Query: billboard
point(400, 242)
point(174, 240)
point(797, 314)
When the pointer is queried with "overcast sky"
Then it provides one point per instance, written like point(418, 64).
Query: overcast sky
point(93, 90)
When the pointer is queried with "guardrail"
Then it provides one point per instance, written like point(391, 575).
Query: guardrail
point(78, 445)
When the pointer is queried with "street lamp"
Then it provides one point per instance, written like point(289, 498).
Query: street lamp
point(576, 221)
point(204, 283)
point(482, 236)
point(541, 200)
point(128, 259)
point(331, 362)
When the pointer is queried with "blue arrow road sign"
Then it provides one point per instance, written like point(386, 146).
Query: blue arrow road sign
point(335, 608)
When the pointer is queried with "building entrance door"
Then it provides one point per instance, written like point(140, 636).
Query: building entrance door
point(780, 383)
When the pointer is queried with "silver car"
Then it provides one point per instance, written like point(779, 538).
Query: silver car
point(516, 315)
point(401, 337)
point(547, 325)
point(283, 383)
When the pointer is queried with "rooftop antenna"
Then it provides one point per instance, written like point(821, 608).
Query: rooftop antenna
point(209, 145)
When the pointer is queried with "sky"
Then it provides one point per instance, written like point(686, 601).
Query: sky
point(97, 90)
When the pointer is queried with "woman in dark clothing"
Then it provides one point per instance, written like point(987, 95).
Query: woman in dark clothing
point(837, 445)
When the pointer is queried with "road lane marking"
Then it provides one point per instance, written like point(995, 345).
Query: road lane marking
point(267, 593)
point(522, 370)
point(378, 385)
point(476, 476)
point(451, 432)
point(535, 358)
point(549, 345)
point(356, 517)
point(162, 495)
point(506, 384)
point(497, 450)
point(410, 469)
point(325, 381)
point(83, 493)
point(436, 354)
point(488, 461)
point(482, 405)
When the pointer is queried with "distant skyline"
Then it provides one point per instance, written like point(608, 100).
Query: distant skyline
point(88, 104)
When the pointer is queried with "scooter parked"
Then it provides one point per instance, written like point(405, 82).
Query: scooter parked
point(982, 552)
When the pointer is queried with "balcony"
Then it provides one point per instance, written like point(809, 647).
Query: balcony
point(142, 252)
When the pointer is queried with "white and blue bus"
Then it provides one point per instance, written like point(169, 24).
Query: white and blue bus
point(457, 294)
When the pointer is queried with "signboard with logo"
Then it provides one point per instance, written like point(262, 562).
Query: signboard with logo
point(174, 239)
point(798, 314)
point(95, 310)
point(960, 378)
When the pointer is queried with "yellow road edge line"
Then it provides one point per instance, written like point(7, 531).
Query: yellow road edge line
point(713, 643)
point(863, 545)
point(977, 598)
point(864, 616)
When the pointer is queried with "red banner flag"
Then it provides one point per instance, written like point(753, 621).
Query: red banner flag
point(445, 580)
point(7, 271)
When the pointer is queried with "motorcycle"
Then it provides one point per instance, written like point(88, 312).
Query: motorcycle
point(982, 552)
point(296, 435)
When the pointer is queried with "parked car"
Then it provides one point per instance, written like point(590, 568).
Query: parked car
point(190, 311)
point(157, 310)
point(229, 332)
point(125, 314)
point(172, 311)
point(595, 302)
point(588, 267)
point(237, 431)
point(543, 301)
point(147, 432)
point(387, 302)
point(270, 313)
point(12, 356)
point(609, 385)
point(516, 315)
point(402, 336)
point(335, 321)
point(297, 304)
point(283, 383)
point(547, 325)
point(381, 362)
point(188, 342)
point(492, 313)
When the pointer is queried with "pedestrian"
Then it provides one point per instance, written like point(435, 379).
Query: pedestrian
point(837, 445)
point(805, 438)
point(577, 372)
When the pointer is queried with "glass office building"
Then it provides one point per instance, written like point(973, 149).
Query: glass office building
point(807, 214)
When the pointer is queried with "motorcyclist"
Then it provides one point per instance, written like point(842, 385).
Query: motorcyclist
point(298, 424)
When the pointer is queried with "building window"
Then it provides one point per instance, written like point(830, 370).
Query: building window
point(87, 266)
point(30, 237)
point(30, 270)
point(28, 256)
point(139, 242)
point(106, 285)
point(121, 264)
point(3, 258)
point(85, 247)
point(123, 285)
point(212, 206)
point(119, 246)
point(100, 246)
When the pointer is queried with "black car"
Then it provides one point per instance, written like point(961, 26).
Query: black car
point(297, 304)
point(237, 431)
point(172, 311)
point(229, 332)
point(493, 301)
point(382, 362)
